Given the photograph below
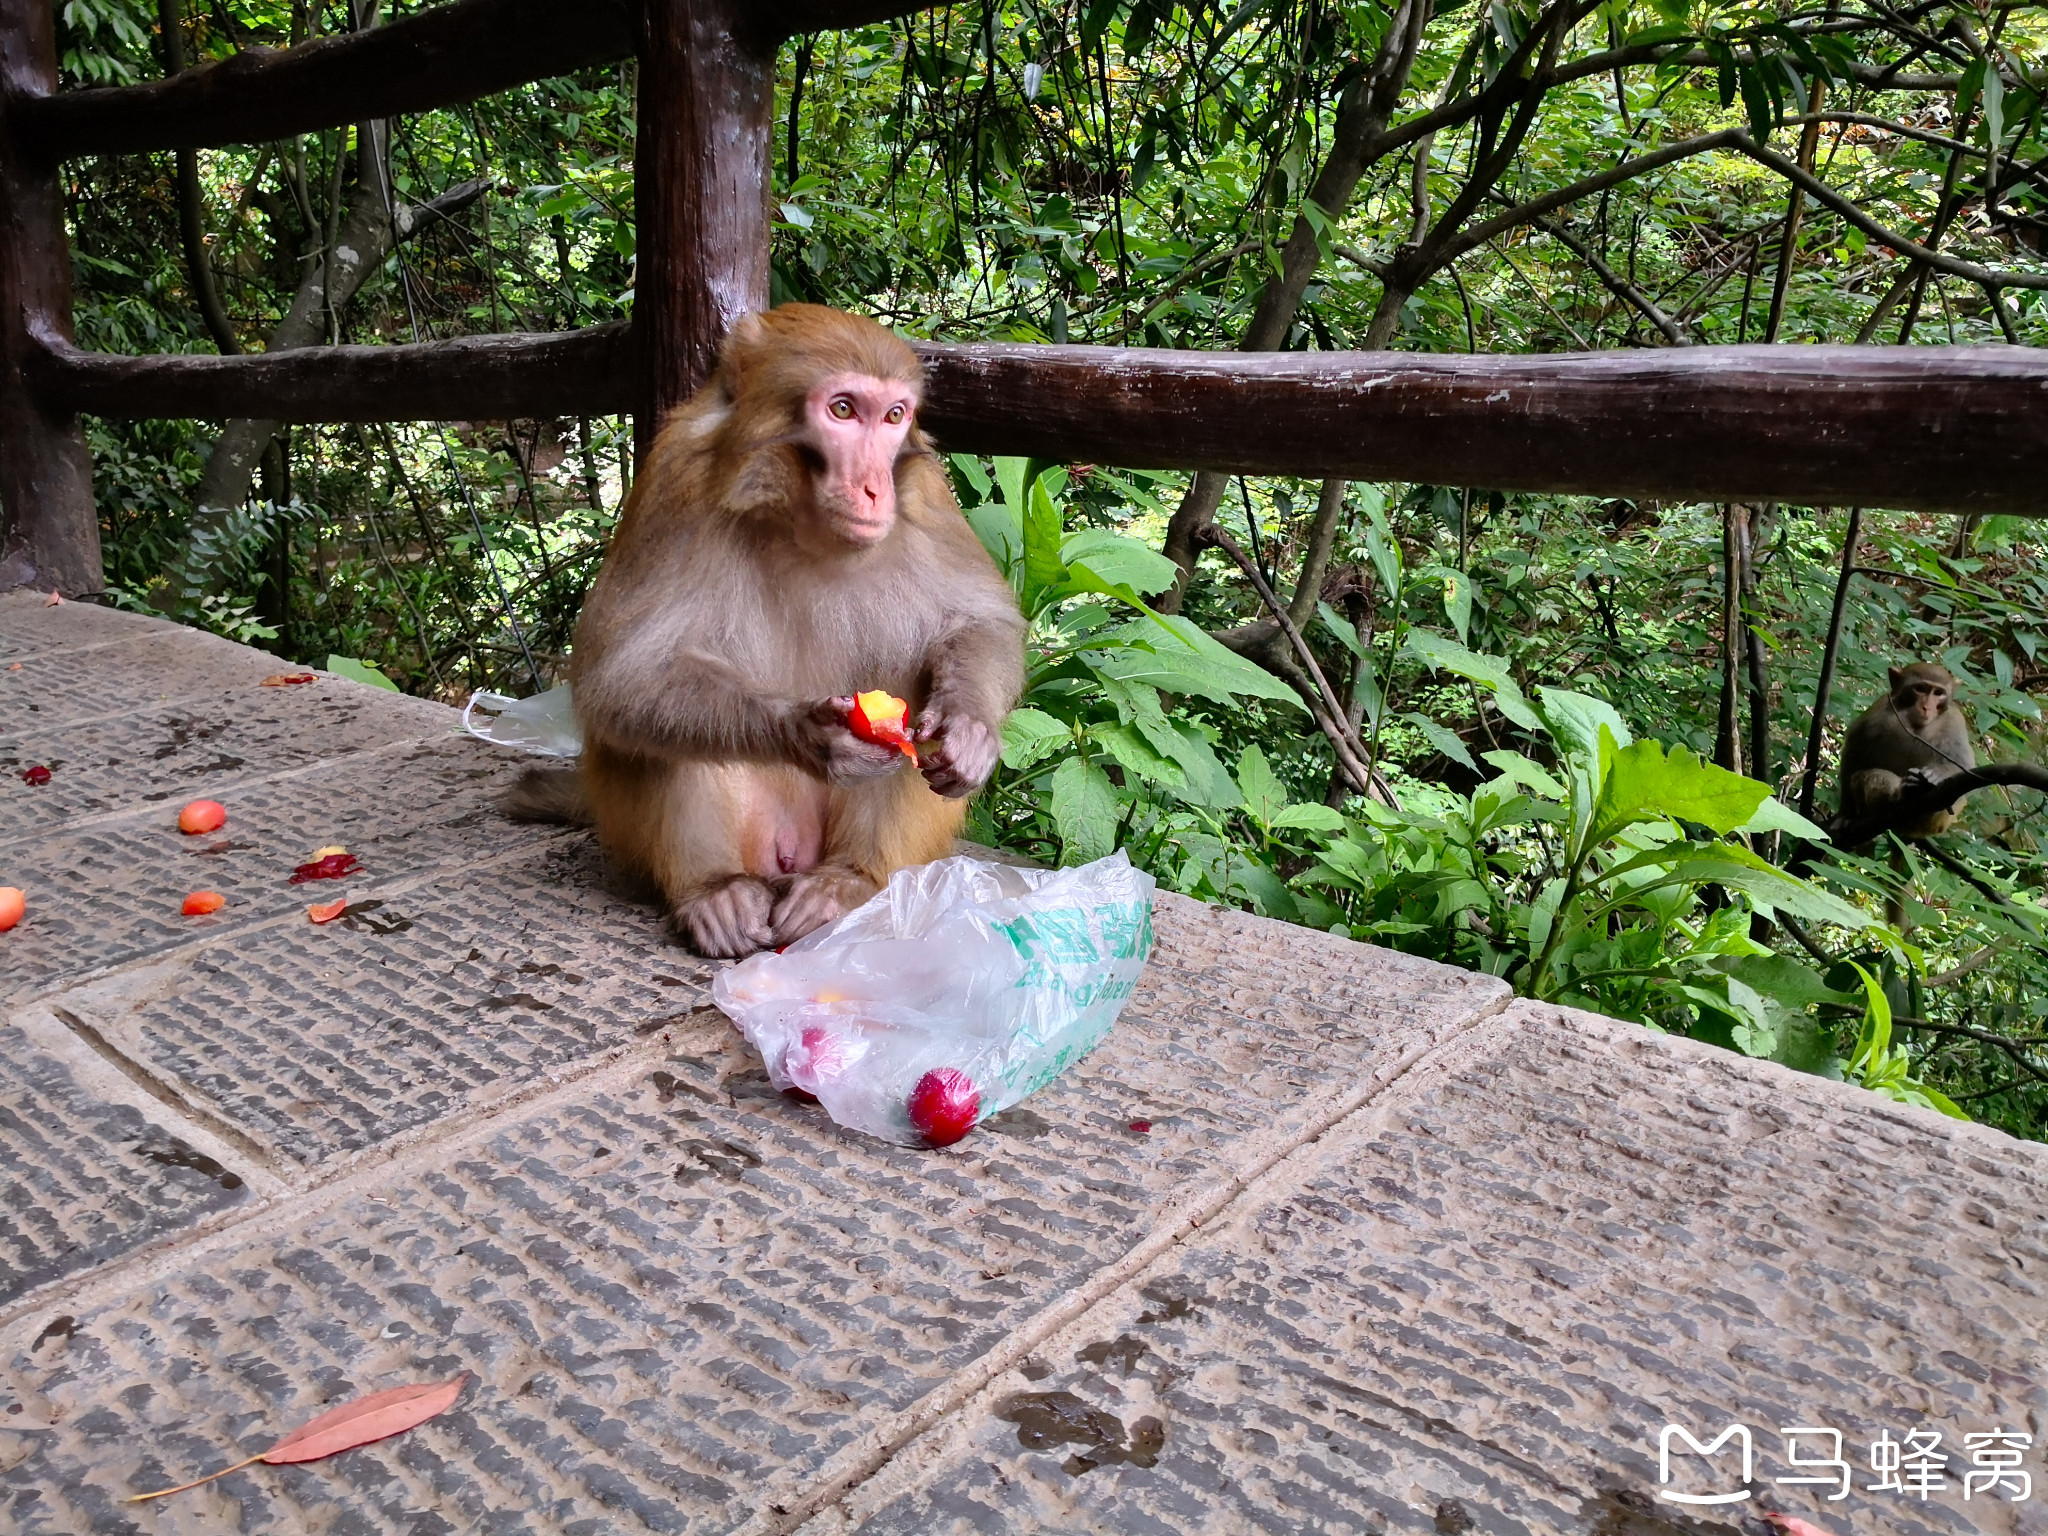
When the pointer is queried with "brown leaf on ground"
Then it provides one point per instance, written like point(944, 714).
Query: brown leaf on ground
point(376, 1417)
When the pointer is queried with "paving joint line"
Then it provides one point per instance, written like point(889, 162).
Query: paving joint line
point(859, 1462)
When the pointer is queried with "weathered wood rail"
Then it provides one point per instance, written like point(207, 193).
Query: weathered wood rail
point(1950, 429)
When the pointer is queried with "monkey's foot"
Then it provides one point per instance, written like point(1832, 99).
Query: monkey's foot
point(815, 898)
point(728, 920)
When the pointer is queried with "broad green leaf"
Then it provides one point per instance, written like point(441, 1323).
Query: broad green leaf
point(1010, 475)
point(1086, 810)
point(1309, 817)
point(1137, 757)
point(1456, 588)
point(1042, 533)
point(1341, 629)
point(1001, 532)
point(1444, 739)
point(970, 470)
point(1119, 561)
point(1264, 795)
point(1174, 655)
point(1517, 769)
point(1269, 894)
point(1639, 783)
point(361, 672)
point(1209, 782)
point(1488, 671)
point(1774, 815)
point(1030, 735)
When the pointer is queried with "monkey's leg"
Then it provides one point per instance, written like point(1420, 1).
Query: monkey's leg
point(728, 836)
point(872, 829)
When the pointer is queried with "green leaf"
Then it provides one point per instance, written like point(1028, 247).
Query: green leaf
point(1030, 735)
point(1341, 629)
point(1086, 810)
point(1001, 532)
point(1517, 769)
point(1137, 756)
point(1639, 783)
point(1119, 561)
point(1487, 671)
point(1043, 569)
point(1309, 817)
point(1173, 654)
point(1457, 594)
point(360, 672)
point(1774, 815)
point(1264, 795)
point(1444, 739)
point(1209, 782)
point(969, 469)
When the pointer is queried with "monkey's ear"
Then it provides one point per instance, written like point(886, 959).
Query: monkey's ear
point(1898, 678)
point(742, 344)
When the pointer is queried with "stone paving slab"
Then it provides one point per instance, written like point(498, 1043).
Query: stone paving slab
point(31, 626)
point(88, 1180)
point(1475, 1305)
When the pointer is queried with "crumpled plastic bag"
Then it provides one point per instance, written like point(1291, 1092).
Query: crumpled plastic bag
point(544, 724)
point(1005, 975)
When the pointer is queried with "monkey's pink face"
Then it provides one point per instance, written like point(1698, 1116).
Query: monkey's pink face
point(855, 425)
point(1929, 700)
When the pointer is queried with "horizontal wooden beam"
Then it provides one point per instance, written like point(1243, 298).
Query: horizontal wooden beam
point(448, 54)
point(472, 378)
point(1953, 429)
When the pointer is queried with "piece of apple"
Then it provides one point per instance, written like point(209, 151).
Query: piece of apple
point(200, 903)
point(12, 905)
point(883, 719)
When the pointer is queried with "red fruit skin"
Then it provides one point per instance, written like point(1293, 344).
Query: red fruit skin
point(202, 816)
point(943, 1106)
point(200, 903)
point(12, 905)
point(892, 730)
point(36, 775)
point(336, 866)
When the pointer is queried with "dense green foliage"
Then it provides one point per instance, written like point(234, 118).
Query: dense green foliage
point(1545, 684)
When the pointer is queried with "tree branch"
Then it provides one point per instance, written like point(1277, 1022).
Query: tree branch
point(1916, 805)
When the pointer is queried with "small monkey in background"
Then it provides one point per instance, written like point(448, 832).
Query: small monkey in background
point(790, 541)
point(1915, 735)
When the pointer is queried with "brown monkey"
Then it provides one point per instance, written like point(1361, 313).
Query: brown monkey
point(790, 540)
point(1915, 735)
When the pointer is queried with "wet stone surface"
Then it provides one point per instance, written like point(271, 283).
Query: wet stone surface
point(1320, 1239)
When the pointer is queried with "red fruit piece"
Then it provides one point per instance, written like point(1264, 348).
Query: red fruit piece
point(199, 903)
point(881, 718)
point(202, 816)
point(943, 1106)
point(327, 911)
point(12, 905)
point(1141, 1127)
point(336, 866)
point(288, 679)
point(36, 775)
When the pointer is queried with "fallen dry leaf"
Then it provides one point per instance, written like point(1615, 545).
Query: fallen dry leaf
point(375, 1417)
point(288, 679)
point(36, 775)
point(200, 903)
point(12, 905)
point(333, 866)
point(327, 911)
point(54, 600)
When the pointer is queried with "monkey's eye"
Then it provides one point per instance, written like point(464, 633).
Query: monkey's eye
point(841, 407)
point(895, 416)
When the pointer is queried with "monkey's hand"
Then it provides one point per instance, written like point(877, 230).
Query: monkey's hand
point(833, 751)
point(955, 752)
point(1925, 775)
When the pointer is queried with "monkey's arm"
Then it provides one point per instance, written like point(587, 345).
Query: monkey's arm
point(682, 703)
point(976, 673)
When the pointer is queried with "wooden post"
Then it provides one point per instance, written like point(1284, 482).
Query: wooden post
point(701, 185)
point(49, 528)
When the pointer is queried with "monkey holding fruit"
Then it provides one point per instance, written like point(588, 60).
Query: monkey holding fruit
point(791, 541)
point(1914, 736)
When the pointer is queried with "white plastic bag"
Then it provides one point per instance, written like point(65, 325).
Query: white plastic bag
point(544, 724)
point(956, 990)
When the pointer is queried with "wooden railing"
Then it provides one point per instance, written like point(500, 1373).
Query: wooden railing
point(1953, 429)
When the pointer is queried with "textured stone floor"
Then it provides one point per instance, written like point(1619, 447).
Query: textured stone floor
point(1396, 1254)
